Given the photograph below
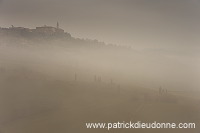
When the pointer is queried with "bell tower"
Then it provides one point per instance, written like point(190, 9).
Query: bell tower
point(57, 26)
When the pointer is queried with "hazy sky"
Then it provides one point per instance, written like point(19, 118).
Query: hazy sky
point(149, 23)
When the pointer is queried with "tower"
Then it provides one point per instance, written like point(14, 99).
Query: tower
point(57, 25)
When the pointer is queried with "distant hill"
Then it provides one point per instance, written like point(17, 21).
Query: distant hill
point(47, 35)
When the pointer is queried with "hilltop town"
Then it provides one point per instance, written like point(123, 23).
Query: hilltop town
point(48, 35)
point(43, 31)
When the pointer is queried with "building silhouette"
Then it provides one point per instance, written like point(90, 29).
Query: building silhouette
point(41, 31)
